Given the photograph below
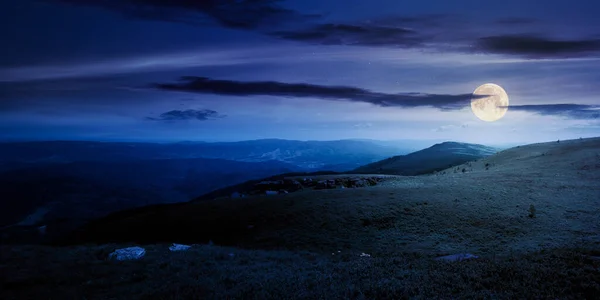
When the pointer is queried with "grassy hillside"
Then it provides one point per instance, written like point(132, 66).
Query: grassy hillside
point(429, 160)
point(308, 244)
point(479, 210)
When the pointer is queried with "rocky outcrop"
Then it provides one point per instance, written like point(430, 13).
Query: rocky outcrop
point(348, 182)
point(289, 185)
point(130, 253)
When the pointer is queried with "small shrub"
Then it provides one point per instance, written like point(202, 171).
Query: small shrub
point(531, 211)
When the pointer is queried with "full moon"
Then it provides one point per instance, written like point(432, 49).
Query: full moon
point(491, 104)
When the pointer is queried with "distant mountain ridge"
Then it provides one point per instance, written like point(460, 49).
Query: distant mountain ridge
point(435, 158)
point(339, 155)
point(44, 181)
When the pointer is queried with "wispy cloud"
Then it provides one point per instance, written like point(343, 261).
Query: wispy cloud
point(140, 64)
point(189, 114)
point(447, 34)
point(363, 125)
point(537, 46)
point(242, 14)
point(452, 127)
point(516, 21)
point(304, 90)
point(355, 34)
point(574, 111)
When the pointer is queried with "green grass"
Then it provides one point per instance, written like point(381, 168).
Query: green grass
point(209, 272)
point(287, 254)
point(286, 246)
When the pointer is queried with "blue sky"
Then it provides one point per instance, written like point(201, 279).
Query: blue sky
point(310, 70)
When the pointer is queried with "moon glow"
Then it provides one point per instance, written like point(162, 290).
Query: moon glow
point(491, 102)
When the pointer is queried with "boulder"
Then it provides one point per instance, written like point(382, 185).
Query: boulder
point(457, 257)
point(179, 247)
point(130, 253)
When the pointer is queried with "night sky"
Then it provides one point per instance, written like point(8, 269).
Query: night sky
point(224, 70)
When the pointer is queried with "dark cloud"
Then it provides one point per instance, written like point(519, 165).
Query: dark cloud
point(445, 33)
point(574, 111)
point(389, 31)
point(188, 114)
point(344, 93)
point(424, 20)
point(536, 46)
point(516, 21)
point(354, 34)
point(243, 14)
point(436, 31)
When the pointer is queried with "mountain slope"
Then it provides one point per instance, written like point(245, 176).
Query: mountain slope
point(379, 242)
point(435, 158)
point(481, 211)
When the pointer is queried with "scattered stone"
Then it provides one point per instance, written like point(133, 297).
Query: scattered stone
point(457, 257)
point(130, 253)
point(364, 255)
point(179, 247)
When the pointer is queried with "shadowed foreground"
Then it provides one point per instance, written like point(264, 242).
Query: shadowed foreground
point(212, 272)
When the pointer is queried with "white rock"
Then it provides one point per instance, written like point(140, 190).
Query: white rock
point(457, 257)
point(365, 255)
point(179, 247)
point(128, 253)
